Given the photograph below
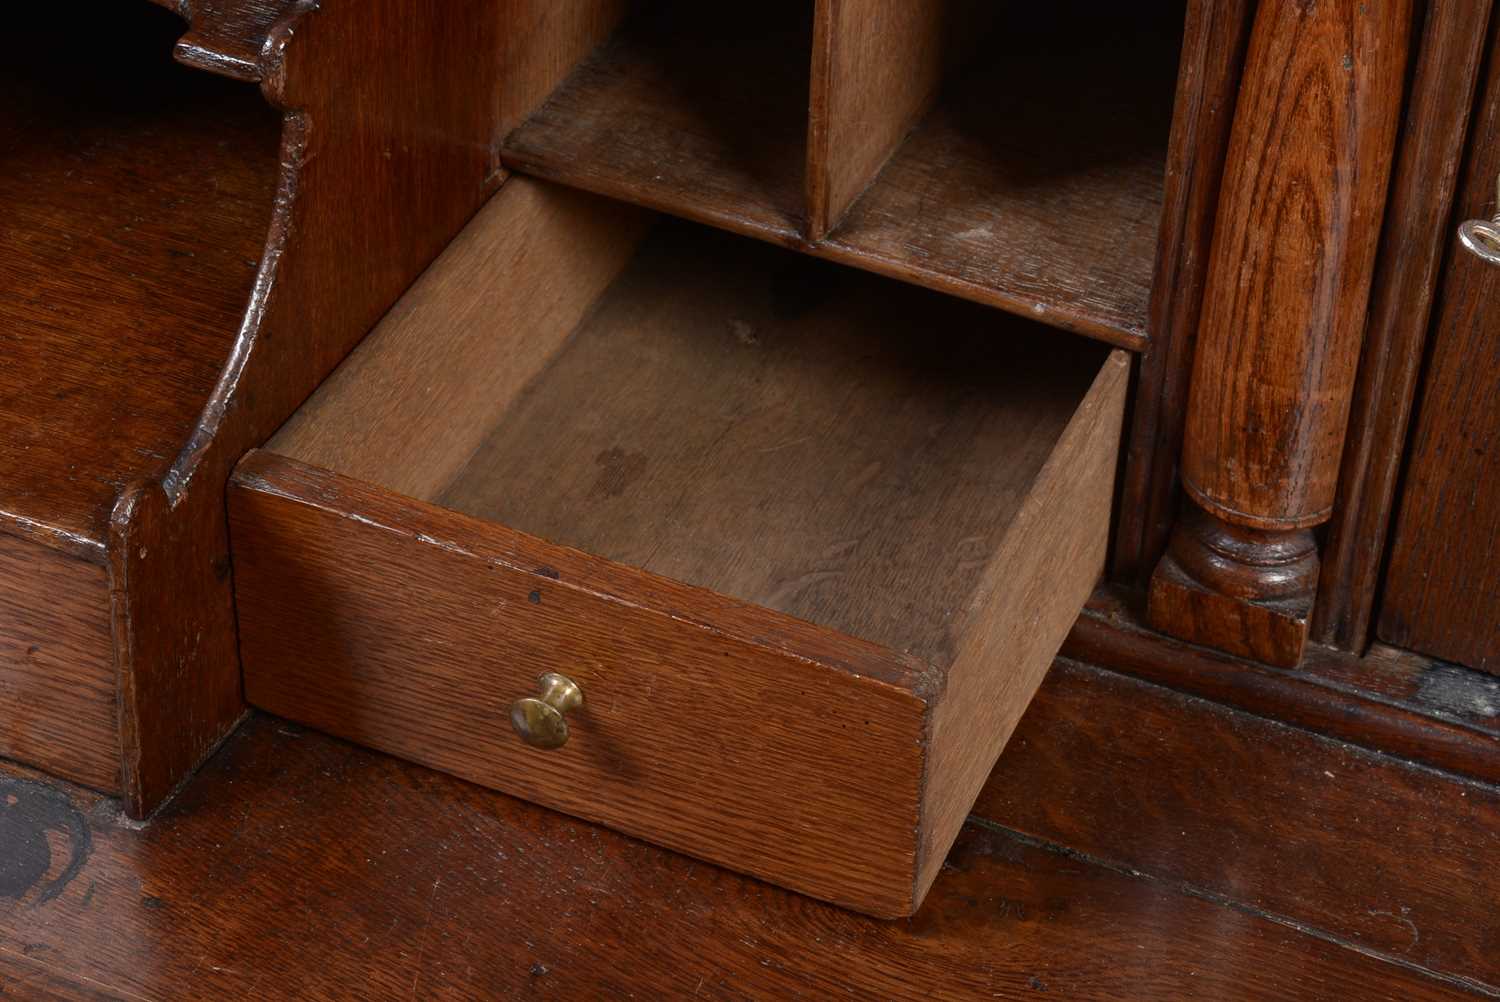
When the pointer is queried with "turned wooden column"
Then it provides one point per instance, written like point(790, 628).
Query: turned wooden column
point(1283, 313)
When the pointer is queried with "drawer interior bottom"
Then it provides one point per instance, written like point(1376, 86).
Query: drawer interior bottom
point(809, 438)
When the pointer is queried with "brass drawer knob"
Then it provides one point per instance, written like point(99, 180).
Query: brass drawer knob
point(539, 719)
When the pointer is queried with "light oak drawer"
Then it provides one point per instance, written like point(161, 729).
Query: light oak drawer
point(806, 538)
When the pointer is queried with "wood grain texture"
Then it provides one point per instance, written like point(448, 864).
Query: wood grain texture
point(466, 339)
point(992, 199)
point(745, 738)
point(543, 42)
point(1294, 247)
point(1442, 586)
point(57, 674)
point(1392, 701)
point(227, 36)
point(1394, 859)
point(814, 459)
point(691, 108)
point(297, 865)
point(1050, 558)
point(786, 432)
point(1215, 37)
point(1282, 323)
point(134, 216)
point(877, 66)
point(1414, 242)
point(366, 199)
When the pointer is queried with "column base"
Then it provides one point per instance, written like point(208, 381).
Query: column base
point(1247, 592)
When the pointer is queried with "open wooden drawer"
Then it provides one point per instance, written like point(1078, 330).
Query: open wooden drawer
point(805, 537)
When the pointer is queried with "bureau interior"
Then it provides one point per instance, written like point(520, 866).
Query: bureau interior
point(137, 194)
point(811, 438)
point(1011, 154)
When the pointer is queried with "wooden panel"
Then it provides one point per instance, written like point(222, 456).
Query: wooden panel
point(543, 42)
point(364, 203)
point(134, 218)
point(300, 866)
point(1036, 185)
point(1208, 77)
point(877, 66)
point(57, 674)
point(466, 339)
point(1413, 244)
point(698, 728)
point(1442, 587)
point(689, 107)
point(1426, 711)
point(1051, 556)
point(1394, 859)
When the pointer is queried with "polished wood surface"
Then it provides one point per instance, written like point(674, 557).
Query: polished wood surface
point(1392, 859)
point(134, 218)
point(375, 107)
point(298, 866)
point(1389, 700)
point(1442, 586)
point(1215, 37)
point(939, 517)
point(227, 36)
point(1416, 238)
point(57, 674)
point(1283, 318)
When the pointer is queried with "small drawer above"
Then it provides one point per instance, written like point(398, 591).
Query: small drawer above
point(806, 539)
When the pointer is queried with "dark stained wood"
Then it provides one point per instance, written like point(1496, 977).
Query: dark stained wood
point(57, 673)
point(1208, 78)
point(1036, 184)
point(691, 108)
point(226, 36)
point(1414, 241)
point(358, 215)
point(1390, 700)
point(1395, 859)
point(816, 460)
point(1283, 317)
point(1442, 587)
point(134, 218)
point(299, 866)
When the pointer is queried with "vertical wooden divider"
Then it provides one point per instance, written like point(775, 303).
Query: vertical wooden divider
point(877, 66)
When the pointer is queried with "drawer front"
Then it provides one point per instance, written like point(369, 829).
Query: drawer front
point(57, 676)
point(724, 731)
point(807, 757)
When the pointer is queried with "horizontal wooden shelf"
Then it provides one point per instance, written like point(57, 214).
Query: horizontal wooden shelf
point(1034, 185)
point(687, 109)
point(135, 214)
